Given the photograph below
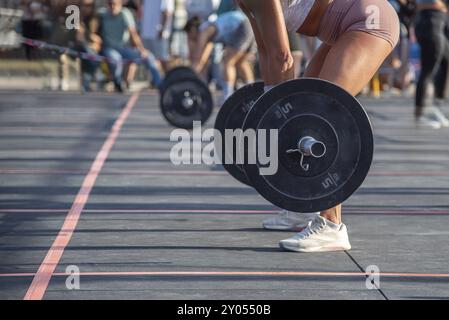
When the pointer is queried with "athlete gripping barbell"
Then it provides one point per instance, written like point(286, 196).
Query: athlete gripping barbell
point(357, 37)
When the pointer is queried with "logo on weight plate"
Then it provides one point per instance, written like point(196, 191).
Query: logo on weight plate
point(331, 181)
point(283, 112)
point(248, 106)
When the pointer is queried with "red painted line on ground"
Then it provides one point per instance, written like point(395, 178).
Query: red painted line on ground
point(196, 172)
point(116, 172)
point(131, 211)
point(37, 289)
point(409, 174)
point(407, 211)
point(42, 171)
point(234, 273)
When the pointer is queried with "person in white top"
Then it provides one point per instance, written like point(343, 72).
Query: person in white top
point(357, 36)
point(156, 28)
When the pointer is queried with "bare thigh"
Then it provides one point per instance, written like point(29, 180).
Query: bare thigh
point(245, 58)
point(354, 59)
point(232, 56)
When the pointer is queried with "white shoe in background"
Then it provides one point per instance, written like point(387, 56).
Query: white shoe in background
point(428, 121)
point(439, 115)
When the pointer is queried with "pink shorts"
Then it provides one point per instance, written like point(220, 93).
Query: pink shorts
point(376, 17)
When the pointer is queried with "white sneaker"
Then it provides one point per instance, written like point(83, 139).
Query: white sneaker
point(428, 121)
point(439, 115)
point(318, 237)
point(289, 221)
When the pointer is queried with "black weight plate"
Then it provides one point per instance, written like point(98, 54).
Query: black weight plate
point(231, 116)
point(179, 72)
point(186, 100)
point(317, 108)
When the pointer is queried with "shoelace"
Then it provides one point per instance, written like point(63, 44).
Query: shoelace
point(313, 227)
point(285, 214)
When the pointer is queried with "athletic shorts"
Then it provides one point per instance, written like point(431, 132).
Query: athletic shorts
point(375, 17)
point(242, 39)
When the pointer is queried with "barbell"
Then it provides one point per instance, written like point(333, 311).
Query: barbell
point(185, 98)
point(324, 142)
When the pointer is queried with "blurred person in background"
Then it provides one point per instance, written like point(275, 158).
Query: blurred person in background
point(116, 28)
point(88, 41)
point(404, 75)
point(234, 31)
point(34, 23)
point(430, 27)
point(226, 6)
point(441, 78)
point(206, 10)
point(295, 48)
point(203, 9)
point(131, 68)
point(61, 36)
point(157, 22)
point(134, 6)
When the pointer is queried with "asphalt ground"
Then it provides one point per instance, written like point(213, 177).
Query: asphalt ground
point(86, 182)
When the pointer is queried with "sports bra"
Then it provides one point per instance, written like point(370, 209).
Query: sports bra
point(296, 12)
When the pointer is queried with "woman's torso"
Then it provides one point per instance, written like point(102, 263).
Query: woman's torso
point(304, 16)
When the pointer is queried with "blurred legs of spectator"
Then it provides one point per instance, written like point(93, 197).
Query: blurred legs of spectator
point(130, 74)
point(310, 45)
point(216, 74)
point(232, 59)
point(434, 48)
point(63, 72)
point(245, 68)
point(430, 32)
point(88, 69)
point(297, 54)
point(115, 61)
point(31, 29)
point(160, 49)
point(403, 76)
point(440, 81)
